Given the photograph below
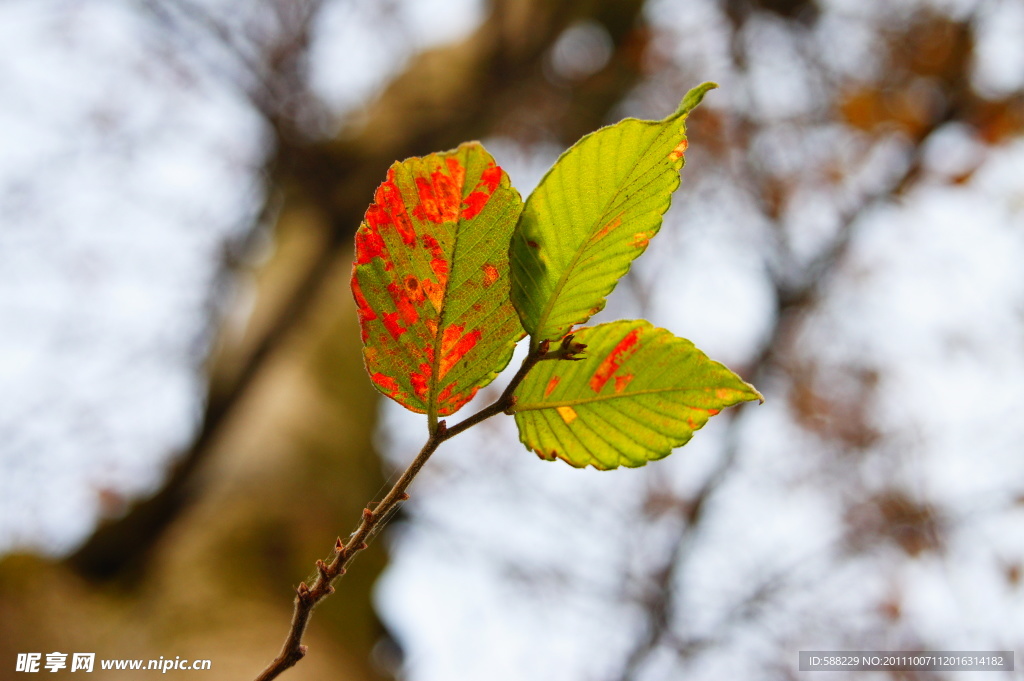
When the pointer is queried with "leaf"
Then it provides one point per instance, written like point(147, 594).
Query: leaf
point(431, 279)
point(594, 212)
point(639, 392)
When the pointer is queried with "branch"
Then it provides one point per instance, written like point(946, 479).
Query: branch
point(308, 597)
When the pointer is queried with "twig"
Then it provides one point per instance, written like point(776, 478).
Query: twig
point(308, 597)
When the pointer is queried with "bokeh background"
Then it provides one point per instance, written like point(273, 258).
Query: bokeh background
point(184, 421)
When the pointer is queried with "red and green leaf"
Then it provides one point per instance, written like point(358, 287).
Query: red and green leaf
point(591, 215)
point(431, 279)
point(638, 393)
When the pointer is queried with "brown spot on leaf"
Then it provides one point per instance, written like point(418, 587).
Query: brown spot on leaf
point(641, 240)
point(532, 244)
point(622, 381)
point(615, 222)
point(678, 152)
point(435, 294)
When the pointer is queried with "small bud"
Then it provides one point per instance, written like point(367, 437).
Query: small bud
point(404, 497)
point(571, 348)
point(339, 547)
point(367, 515)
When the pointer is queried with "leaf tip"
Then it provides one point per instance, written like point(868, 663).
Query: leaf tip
point(693, 98)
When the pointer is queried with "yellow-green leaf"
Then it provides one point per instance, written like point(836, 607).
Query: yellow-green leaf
point(639, 392)
point(431, 279)
point(591, 215)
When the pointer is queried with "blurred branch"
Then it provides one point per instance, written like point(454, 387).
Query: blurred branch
point(796, 293)
point(308, 597)
point(471, 89)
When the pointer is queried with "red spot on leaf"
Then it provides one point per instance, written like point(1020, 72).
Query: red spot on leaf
point(403, 304)
point(388, 384)
point(388, 210)
point(441, 195)
point(551, 385)
point(456, 170)
point(438, 261)
point(533, 244)
point(440, 268)
point(366, 313)
point(454, 346)
point(421, 381)
point(448, 403)
point(435, 294)
point(610, 364)
point(714, 412)
point(481, 194)
point(622, 381)
point(490, 274)
point(369, 245)
point(491, 177)
point(475, 203)
point(430, 322)
point(391, 324)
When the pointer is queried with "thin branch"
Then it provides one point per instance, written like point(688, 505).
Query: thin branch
point(308, 597)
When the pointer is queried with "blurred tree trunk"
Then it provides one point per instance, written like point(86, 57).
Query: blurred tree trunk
point(283, 461)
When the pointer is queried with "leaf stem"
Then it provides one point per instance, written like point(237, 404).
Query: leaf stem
point(308, 597)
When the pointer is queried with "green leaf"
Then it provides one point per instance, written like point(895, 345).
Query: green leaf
point(431, 279)
point(591, 215)
point(639, 392)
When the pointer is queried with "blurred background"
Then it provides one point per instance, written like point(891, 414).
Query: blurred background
point(185, 425)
